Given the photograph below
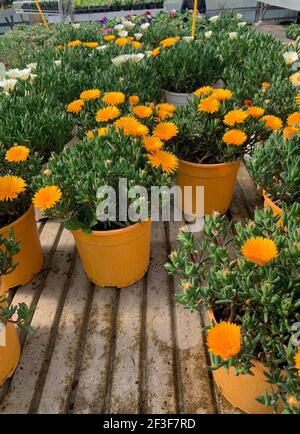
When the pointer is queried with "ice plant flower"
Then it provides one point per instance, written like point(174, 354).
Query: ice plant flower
point(74, 43)
point(165, 130)
point(136, 44)
point(164, 159)
point(259, 250)
point(134, 99)
point(121, 41)
point(204, 90)
point(114, 98)
point(90, 44)
point(123, 33)
point(47, 197)
point(131, 126)
point(75, 106)
point(145, 26)
point(9, 84)
point(138, 36)
point(290, 57)
point(214, 19)
point(208, 34)
point(235, 117)
point(169, 42)
point(255, 112)
point(90, 94)
point(10, 187)
point(209, 105)
point(295, 79)
point(233, 35)
point(89, 134)
point(102, 131)
point(222, 94)
point(290, 132)
point(107, 114)
point(297, 99)
point(234, 137)
point(142, 111)
point(224, 340)
point(293, 120)
point(109, 38)
point(155, 52)
point(272, 122)
point(297, 361)
point(152, 144)
point(165, 106)
point(16, 154)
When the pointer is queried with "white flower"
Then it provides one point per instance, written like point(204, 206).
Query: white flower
point(138, 36)
point(136, 58)
point(76, 25)
point(32, 66)
point(187, 38)
point(290, 57)
point(24, 74)
point(101, 47)
point(119, 27)
point(129, 24)
point(12, 73)
point(214, 18)
point(208, 34)
point(232, 35)
point(33, 77)
point(239, 16)
point(119, 60)
point(145, 26)
point(57, 62)
point(9, 84)
point(123, 33)
point(242, 24)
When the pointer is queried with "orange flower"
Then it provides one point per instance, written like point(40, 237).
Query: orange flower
point(90, 94)
point(259, 250)
point(102, 131)
point(163, 114)
point(114, 98)
point(152, 144)
point(293, 120)
point(272, 122)
point(59, 47)
point(89, 134)
point(235, 117)
point(142, 111)
point(109, 37)
point(165, 106)
point(265, 85)
point(164, 159)
point(222, 94)
point(74, 43)
point(90, 44)
point(133, 99)
point(297, 99)
point(121, 41)
point(204, 90)
point(10, 187)
point(47, 197)
point(131, 126)
point(297, 361)
point(107, 113)
point(136, 44)
point(290, 132)
point(155, 52)
point(255, 112)
point(75, 106)
point(16, 154)
point(234, 137)
point(169, 42)
point(224, 340)
point(130, 38)
point(295, 79)
point(209, 105)
point(165, 130)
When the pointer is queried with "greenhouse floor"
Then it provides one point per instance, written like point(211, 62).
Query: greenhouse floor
point(105, 350)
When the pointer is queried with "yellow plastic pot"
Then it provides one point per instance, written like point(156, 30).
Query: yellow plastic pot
point(30, 257)
point(115, 258)
point(242, 390)
point(277, 211)
point(10, 353)
point(218, 181)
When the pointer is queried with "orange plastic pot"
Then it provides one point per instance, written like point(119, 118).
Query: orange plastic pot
point(242, 390)
point(115, 258)
point(277, 211)
point(30, 257)
point(218, 181)
point(10, 353)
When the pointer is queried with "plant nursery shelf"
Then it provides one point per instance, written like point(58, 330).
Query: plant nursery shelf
point(104, 350)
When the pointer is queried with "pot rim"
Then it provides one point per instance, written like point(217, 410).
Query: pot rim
point(210, 166)
point(115, 232)
point(178, 93)
point(19, 220)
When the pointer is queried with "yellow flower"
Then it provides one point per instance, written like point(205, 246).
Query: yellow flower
point(272, 122)
point(90, 44)
point(259, 250)
point(102, 131)
point(15, 154)
point(90, 94)
point(165, 130)
point(114, 98)
point(107, 113)
point(164, 114)
point(130, 38)
point(295, 79)
point(59, 47)
point(290, 132)
point(89, 134)
point(109, 37)
point(224, 340)
point(142, 111)
point(136, 44)
point(255, 112)
point(235, 117)
point(75, 106)
point(204, 90)
point(131, 126)
point(297, 99)
point(152, 144)
point(222, 94)
point(234, 137)
point(165, 106)
point(209, 105)
point(121, 41)
point(293, 120)
point(133, 99)
point(10, 187)
point(164, 159)
point(169, 42)
point(297, 361)
point(265, 85)
point(74, 43)
point(155, 52)
point(47, 197)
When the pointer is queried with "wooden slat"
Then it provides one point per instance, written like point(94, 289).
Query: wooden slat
point(36, 352)
point(91, 391)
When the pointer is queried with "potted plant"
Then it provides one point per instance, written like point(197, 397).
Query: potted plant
point(214, 134)
point(17, 167)
point(275, 168)
point(10, 315)
point(180, 74)
point(248, 283)
point(114, 246)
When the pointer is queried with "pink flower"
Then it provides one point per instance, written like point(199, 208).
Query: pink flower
point(105, 31)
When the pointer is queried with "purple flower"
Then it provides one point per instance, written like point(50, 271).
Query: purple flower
point(103, 20)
